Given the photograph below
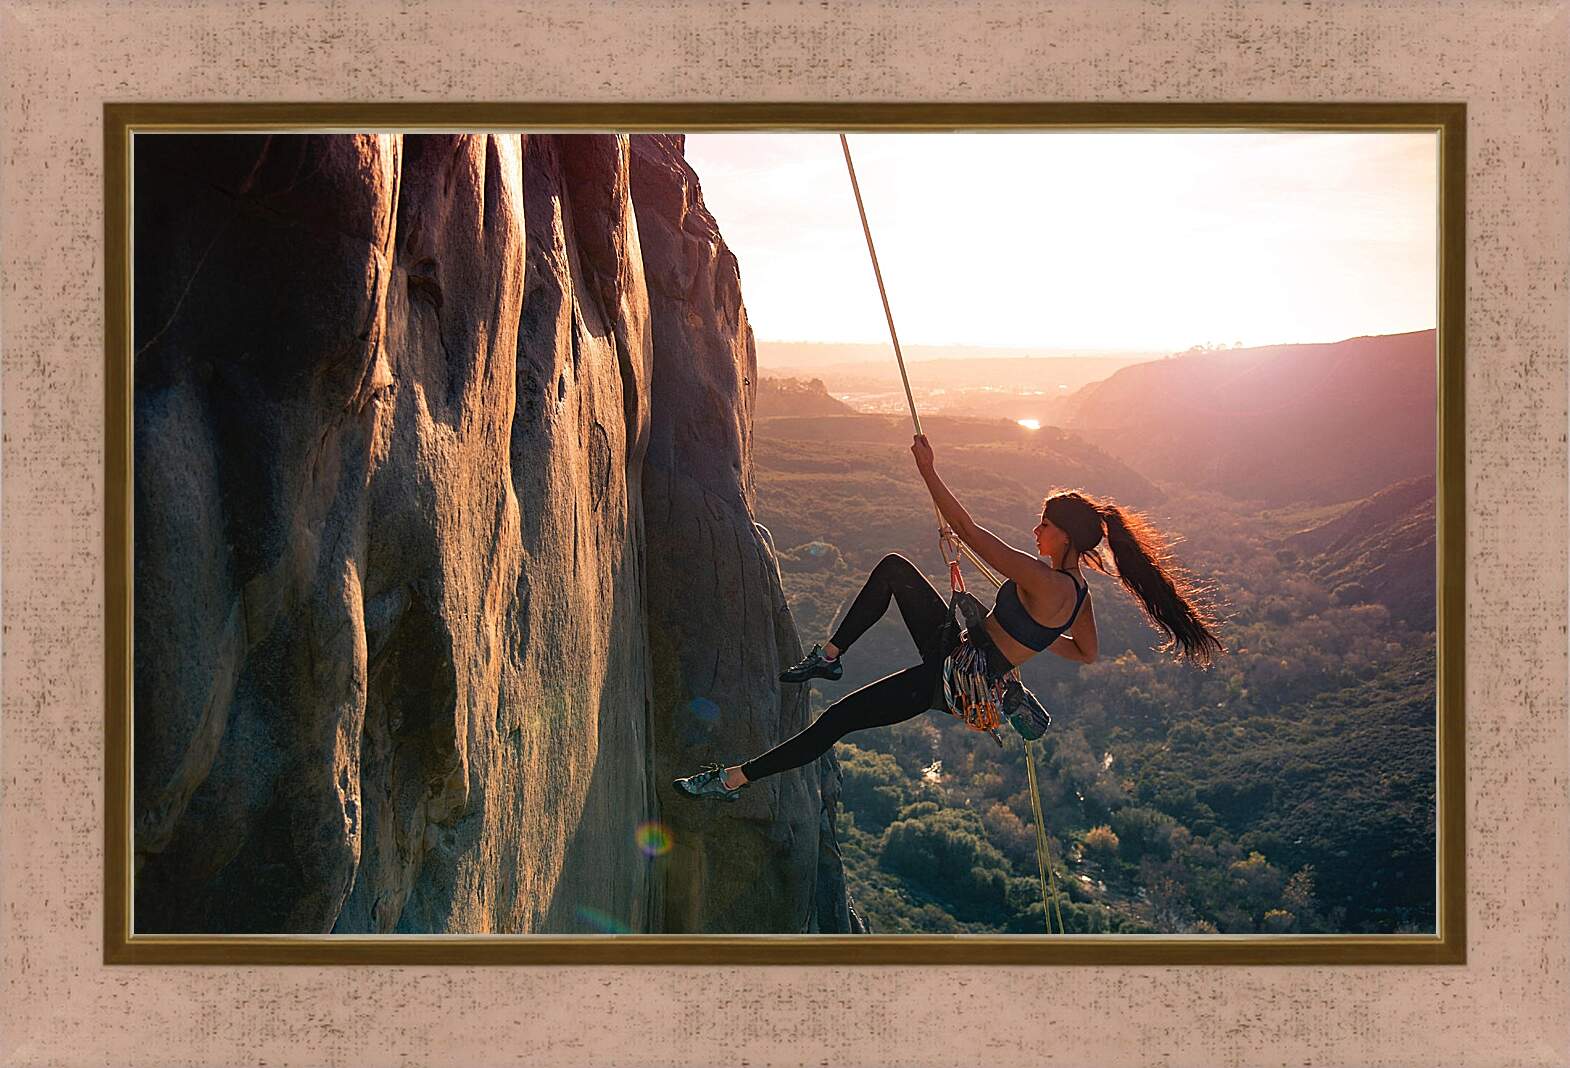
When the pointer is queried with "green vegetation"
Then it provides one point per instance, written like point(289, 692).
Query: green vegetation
point(1289, 789)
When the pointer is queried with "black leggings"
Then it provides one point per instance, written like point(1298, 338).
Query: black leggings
point(892, 699)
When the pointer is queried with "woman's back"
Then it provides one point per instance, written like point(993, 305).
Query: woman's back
point(1017, 630)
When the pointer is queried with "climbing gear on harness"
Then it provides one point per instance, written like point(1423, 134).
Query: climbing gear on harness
point(710, 782)
point(813, 666)
point(970, 691)
point(968, 694)
point(1025, 712)
point(973, 692)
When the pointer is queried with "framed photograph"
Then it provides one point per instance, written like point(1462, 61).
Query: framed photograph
point(312, 434)
point(785, 533)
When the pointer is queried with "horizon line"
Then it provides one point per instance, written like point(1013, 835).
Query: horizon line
point(1069, 351)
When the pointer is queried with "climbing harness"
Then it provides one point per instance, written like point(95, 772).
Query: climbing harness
point(967, 690)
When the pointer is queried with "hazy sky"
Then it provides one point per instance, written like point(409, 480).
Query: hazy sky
point(1105, 240)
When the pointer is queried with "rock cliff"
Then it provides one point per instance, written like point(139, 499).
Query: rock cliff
point(403, 581)
point(719, 625)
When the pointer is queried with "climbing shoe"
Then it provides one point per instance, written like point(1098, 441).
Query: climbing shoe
point(710, 782)
point(813, 666)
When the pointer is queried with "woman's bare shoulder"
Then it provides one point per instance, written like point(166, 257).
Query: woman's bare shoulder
point(1051, 588)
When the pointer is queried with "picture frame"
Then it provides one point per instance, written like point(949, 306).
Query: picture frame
point(59, 1003)
point(1447, 121)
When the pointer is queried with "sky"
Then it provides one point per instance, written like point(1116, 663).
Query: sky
point(1089, 240)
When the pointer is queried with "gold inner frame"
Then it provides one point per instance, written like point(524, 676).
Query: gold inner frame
point(1446, 946)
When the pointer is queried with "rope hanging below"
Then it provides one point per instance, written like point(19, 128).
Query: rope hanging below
point(964, 674)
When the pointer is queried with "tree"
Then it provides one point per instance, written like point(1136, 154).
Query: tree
point(1101, 843)
point(874, 786)
point(945, 853)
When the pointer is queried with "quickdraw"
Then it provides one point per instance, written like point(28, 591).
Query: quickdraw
point(968, 691)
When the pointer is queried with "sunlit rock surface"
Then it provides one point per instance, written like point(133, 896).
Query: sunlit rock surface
point(393, 598)
point(720, 627)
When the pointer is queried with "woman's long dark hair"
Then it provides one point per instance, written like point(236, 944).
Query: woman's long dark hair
point(1145, 567)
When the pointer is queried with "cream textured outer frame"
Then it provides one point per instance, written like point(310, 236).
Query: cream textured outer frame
point(1509, 62)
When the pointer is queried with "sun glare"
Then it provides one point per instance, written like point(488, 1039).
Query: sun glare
point(1029, 424)
point(1094, 241)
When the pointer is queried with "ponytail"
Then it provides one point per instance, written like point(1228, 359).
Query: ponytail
point(1145, 568)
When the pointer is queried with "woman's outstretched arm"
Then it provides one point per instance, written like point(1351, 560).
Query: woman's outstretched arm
point(1023, 568)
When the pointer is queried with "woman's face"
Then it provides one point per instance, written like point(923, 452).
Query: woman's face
point(1051, 540)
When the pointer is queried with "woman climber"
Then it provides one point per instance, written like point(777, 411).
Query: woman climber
point(1072, 526)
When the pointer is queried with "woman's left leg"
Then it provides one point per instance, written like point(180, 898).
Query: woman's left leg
point(920, 605)
point(892, 699)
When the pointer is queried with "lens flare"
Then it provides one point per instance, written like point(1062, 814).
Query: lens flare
point(602, 921)
point(704, 709)
point(653, 838)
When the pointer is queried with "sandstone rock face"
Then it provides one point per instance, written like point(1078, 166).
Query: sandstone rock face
point(391, 664)
point(720, 627)
point(392, 399)
point(263, 267)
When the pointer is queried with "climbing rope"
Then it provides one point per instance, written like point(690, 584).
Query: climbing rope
point(965, 683)
point(946, 535)
point(1049, 884)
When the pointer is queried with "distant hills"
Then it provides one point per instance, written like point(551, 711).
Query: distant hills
point(784, 356)
point(955, 380)
point(984, 453)
point(794, 396)
point(1316, 423)
point(1380, 549)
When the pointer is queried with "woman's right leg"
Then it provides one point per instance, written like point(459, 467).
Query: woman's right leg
point(920, 605)
point(892, 699)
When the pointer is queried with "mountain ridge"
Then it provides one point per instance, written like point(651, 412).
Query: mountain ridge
point(1319, 423)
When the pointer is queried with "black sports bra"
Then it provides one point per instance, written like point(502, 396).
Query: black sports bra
point(1020, 625)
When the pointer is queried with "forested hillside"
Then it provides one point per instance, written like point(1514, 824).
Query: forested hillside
point(1288, 789)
